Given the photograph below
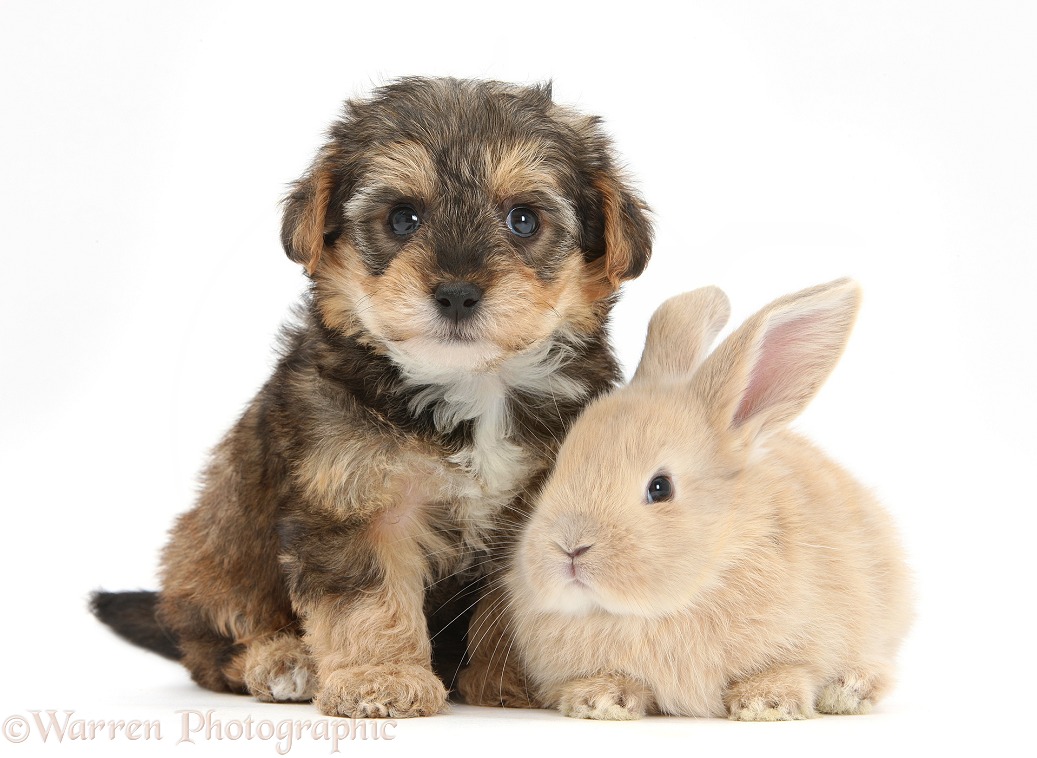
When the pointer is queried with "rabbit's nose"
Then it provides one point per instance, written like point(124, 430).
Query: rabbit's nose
point(576, 552)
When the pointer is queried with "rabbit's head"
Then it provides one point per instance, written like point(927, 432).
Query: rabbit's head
point(653, 495)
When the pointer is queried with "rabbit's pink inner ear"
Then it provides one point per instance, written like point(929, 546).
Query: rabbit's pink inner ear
point(785, 374)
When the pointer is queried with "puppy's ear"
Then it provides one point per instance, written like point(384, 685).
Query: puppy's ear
point(627, 231)
point(617, 229)
point(308, 224)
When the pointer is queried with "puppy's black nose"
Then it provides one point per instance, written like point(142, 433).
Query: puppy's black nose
point(457, 300)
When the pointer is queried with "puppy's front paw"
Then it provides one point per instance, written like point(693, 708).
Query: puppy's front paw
point(610, 697)
point(389, 691)
point(280, 669)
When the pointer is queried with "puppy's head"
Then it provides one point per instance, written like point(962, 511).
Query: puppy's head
point(458, 223)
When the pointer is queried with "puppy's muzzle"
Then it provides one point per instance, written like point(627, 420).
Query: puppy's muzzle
point(457, 301)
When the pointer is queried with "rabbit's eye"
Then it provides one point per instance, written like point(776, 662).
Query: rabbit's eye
point(660, 489)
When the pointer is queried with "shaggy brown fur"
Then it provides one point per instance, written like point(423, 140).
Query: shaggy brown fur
point(383, 467)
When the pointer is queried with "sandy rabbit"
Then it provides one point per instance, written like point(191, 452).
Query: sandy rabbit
point(689, 555)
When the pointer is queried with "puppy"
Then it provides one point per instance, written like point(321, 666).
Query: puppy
point(465, 241)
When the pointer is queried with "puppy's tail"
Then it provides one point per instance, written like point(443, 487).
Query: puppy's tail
point(131, 615)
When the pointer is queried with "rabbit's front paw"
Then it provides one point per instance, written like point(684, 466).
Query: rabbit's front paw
point(854, 692)
point(783, 693)
point(609, 697)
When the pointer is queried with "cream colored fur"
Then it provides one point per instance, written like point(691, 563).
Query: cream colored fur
point(771, 586)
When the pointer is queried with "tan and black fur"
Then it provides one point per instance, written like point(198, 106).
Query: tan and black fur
point(382, 468)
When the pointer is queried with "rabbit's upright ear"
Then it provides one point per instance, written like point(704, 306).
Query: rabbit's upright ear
point(766, 372)
point(680, 333)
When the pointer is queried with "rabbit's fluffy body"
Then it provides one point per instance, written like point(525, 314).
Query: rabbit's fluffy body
point(770, 585)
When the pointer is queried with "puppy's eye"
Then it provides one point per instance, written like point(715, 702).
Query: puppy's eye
point(523, 222)
point(404, 220)
point(660, 489)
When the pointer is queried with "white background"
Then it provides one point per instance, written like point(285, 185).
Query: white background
point(144, 148)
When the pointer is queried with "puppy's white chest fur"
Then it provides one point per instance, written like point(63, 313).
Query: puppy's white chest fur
point(493, 465)
point(493, 457)
point(459, 393)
